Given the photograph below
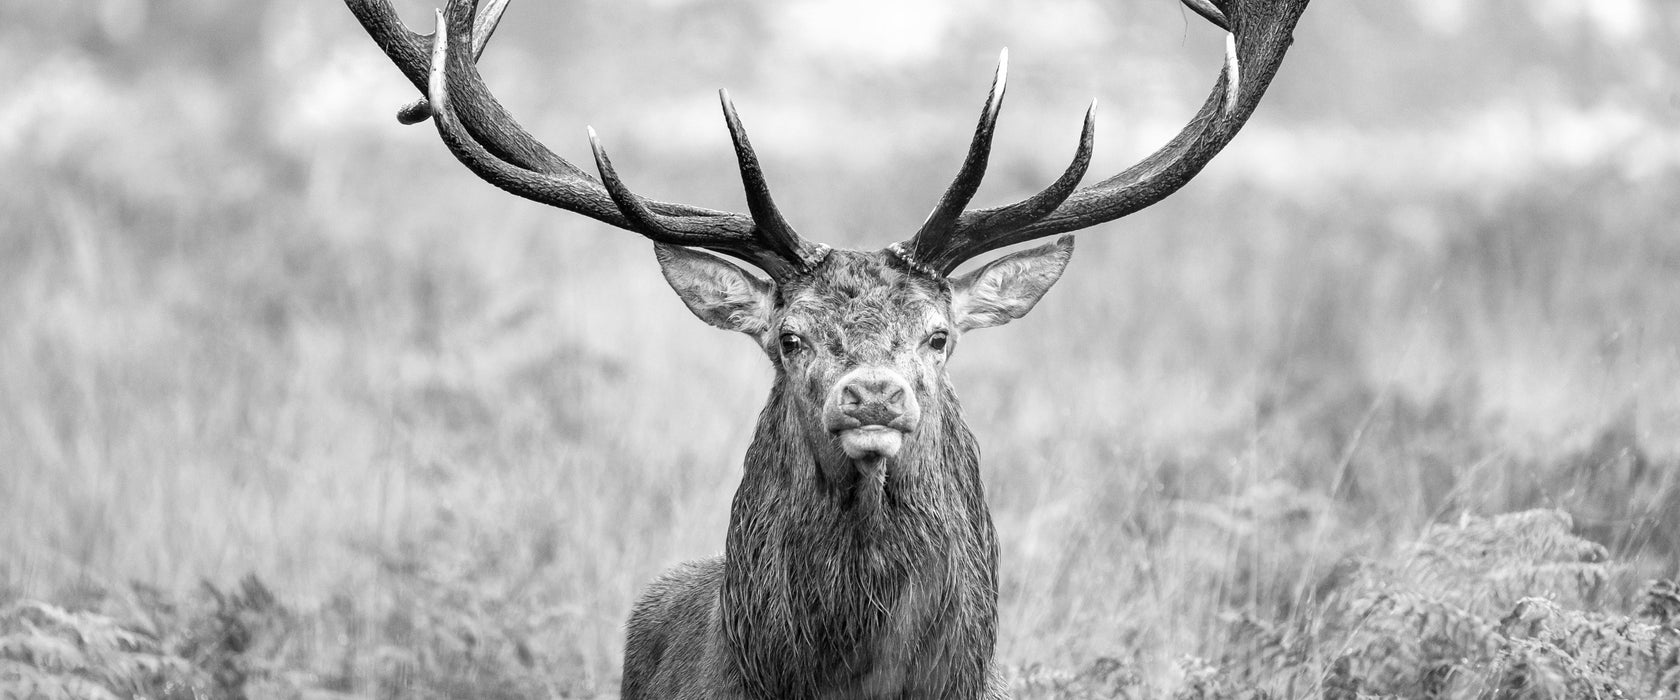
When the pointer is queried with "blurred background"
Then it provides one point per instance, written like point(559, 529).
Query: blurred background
point(250, 325)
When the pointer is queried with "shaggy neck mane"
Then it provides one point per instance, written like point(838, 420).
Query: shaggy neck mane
point(823, 587)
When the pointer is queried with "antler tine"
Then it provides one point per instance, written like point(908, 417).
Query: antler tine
point(561, 190)
point(659, 228)
point(688, 231)
point(1260, 35)
point(773, 229)
point(484, 116)
point(957, 196)
point(491, 124)
point(483, 28)
point(745, 239)
point(967, 235)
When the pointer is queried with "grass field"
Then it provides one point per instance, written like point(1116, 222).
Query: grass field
point(285, 387)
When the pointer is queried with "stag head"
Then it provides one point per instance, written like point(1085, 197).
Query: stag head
point(860, 344)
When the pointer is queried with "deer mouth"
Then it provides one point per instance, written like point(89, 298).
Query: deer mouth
point(871, 443)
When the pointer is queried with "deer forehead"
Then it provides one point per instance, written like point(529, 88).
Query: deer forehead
point(859, 297)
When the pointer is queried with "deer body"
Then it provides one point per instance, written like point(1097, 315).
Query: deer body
point(860, 560)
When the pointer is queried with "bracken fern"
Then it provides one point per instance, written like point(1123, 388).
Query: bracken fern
point(1505, 607)
point(1510, 607)
point(49, 652)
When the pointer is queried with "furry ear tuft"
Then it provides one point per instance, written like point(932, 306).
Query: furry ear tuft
point(1008, 287)
point(717, 291)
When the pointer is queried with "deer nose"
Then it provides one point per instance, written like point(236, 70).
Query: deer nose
point(873, 397)
point(872, 393)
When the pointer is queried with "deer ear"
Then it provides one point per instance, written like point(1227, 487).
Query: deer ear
point(718, 292)
point(1008, 287)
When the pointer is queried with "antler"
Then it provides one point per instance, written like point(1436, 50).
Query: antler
point(1259, 36)
point(485, 138)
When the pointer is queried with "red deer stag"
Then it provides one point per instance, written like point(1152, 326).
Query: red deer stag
point(860, 559)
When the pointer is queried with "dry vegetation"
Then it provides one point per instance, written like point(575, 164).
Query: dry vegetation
point(291, 405)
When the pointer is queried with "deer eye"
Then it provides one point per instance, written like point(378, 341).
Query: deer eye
point(792, 343)
point(938, 340)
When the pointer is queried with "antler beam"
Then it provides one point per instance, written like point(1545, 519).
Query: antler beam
point(481, 133)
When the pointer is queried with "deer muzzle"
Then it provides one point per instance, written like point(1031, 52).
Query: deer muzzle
point(870, 410)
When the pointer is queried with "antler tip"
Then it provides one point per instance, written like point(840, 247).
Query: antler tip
point(602, 163)
point(1233, 86)
point(437, 85)
point(1210, 12)
point(994, 101)
point(414, 112)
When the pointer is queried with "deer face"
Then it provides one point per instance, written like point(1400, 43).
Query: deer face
point(860, 343)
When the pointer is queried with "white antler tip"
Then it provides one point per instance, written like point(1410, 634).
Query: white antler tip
point(995, 100)
point(437, 92)
point(1233, 83)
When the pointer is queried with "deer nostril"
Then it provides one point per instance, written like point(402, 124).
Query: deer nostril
point(872, 397)
point(873, 400)
point(872, 391)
